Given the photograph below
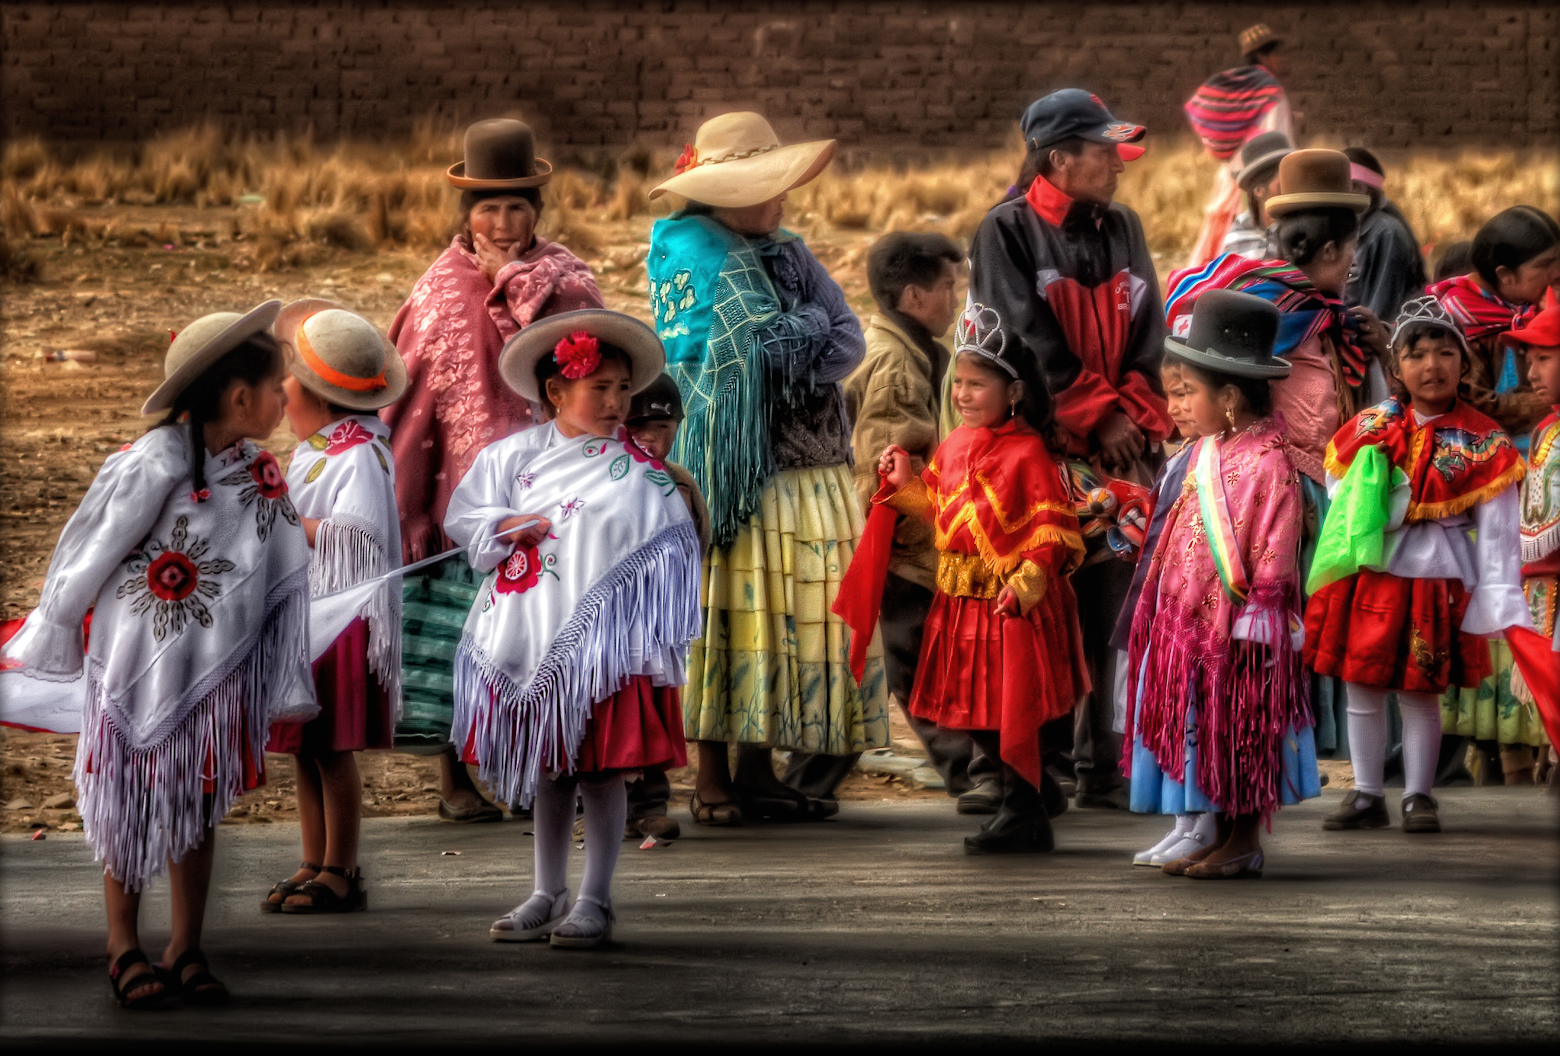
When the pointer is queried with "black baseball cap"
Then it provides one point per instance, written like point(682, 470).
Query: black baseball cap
point(1075, 112)
point(659, 400)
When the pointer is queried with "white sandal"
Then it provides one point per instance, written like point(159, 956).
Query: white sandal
point(521, 924)
point(583, 931)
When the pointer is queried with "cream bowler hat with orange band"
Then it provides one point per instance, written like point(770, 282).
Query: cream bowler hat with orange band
point(340, 356)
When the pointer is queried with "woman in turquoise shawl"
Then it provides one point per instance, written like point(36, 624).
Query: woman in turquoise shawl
point(758, 337)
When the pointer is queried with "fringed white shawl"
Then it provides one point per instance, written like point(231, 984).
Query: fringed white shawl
point(198, 643)
point(344, 477)
point(612, 593)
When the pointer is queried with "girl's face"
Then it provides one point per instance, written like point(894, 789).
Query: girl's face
point(253, 412)
point(508, 221)
point(307, 413)
point(1544, 372)
point(1527, 282)
point(1179, 396)
point(1209, 408)
point(983, 397)
point(596, 404)
point(1430, 368)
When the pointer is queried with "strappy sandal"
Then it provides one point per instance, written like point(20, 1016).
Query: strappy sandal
point(202, 988)
point(285, 888)
point(124, 988)
point(570, 935)
point(324, 900)
point(716, 814)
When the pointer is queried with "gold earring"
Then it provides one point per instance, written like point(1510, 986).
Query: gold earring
point(1229, 412)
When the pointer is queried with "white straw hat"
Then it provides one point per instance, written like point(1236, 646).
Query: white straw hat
point(737, 160)
point(201, 344)
point(339, 355)
point(517, 362)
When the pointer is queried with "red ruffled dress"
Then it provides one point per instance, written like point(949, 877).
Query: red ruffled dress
point(1003, 517)
point(638, 726)
point(1393, 632)
point(356, 714)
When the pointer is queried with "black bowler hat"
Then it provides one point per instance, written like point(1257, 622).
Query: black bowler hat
point(1232, 333)
point(1075, 112)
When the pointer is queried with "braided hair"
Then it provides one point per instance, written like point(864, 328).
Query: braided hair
point(257, 358)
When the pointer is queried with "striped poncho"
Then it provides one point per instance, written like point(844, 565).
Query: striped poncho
point(1226, 109)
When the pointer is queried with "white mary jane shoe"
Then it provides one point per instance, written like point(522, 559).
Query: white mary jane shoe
point(1181, 828)
point(533, 919)
point(583, 931)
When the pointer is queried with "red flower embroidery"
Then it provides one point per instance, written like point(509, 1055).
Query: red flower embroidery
point(520, 572)
point(687, 159)
point(639, 454)
point(579, 355)
point(348, 434)
point(172, 576)
point(267, 475)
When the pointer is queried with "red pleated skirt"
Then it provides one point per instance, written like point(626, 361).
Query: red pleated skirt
point(1382, 630)
point(356, 714)
point(968, 656)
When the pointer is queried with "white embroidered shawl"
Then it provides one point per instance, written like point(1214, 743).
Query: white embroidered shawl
point(198, 640)
point(612, 593)
point(344, 477)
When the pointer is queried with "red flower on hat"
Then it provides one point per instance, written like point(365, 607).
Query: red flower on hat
point(345, 436)
point(268, 477)
point(172, 576)
point(687, 159)
point(579, 355)
point(520, 572)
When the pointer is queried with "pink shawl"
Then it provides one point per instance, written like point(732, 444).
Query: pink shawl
point(450, 332)
point(1248, 692)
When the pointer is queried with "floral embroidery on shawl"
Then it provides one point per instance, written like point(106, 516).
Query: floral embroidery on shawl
point(264, 487)
point(172, 580)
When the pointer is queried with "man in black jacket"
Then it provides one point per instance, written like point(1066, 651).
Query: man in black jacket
point(1069, 273)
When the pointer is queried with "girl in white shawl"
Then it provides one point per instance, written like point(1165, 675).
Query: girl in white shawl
point(190, 558)
point(566, 676)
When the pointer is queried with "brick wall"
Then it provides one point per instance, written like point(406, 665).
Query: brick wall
point(891, 76)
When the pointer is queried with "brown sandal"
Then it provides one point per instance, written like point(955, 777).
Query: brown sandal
point(285, 888)
point(322, 899)
point(716, 814)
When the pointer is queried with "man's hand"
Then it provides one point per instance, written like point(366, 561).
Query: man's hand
point(490, 258)
point(1121, 441)
point(1375, 338)
point(531, 536)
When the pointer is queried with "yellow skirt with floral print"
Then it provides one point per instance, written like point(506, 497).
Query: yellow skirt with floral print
point(1491, 712)
point(773, 667)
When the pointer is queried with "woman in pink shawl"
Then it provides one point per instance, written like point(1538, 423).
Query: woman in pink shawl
point(495, 278)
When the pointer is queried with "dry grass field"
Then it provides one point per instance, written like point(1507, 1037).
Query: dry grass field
point(105, 252)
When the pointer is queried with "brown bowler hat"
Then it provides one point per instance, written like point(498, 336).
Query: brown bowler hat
point(1315, 179)
point(500, 156)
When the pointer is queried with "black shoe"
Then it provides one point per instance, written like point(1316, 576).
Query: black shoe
point(1052, 796)
point(984, 798)
point(1013, 833)
point(1419, 813)
point(1066, 781)
point(1359, 810)
point(1110, 799)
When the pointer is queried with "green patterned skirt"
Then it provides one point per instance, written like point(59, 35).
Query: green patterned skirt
point(434, 605)
point(773, 667)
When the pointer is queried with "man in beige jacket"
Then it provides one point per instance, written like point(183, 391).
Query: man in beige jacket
point(895, 397)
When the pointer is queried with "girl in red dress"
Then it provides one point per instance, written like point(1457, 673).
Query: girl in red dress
point(1002, 653)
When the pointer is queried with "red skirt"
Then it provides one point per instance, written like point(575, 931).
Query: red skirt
point(356, 714)
point(1382, 630)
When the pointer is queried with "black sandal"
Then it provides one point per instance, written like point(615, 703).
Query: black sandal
point(324, 900)
point(285, 888)
point(719, 814)
point(139, 981)
point(202, 988)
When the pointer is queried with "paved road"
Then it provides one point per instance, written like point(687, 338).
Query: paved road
point(874, 927)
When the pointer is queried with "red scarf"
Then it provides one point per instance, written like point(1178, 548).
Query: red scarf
point(1478, 311)
point(1453, 462)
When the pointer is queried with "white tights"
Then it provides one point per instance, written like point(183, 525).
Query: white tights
point(1368, 737)
point(606, 812)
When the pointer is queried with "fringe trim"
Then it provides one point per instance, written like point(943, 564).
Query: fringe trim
point(1434, 511)
point(1247, 696)
point(725, 443)
point(141, 807)
point(348, 551)
point(1540, 544)
point(648, 602)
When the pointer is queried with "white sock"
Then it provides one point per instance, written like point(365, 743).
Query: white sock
point(1421, 741)
point(1205, 827)
point(552, 819)
point(606, 812)
point(1368, 735)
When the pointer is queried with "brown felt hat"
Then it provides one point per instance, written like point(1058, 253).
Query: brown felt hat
point(500, 156)
point(1315, 179)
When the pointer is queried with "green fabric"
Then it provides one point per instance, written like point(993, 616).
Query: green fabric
point(434, 604)
point(712, 300)
point(1354, 533)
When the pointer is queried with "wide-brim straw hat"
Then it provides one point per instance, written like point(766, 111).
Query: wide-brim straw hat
point(1232, 333)
point(1257, 37)
point(1315, 179)
point(517, 362)
point(500, 156)
point(737, 160)
point(340, 356)
point(199, 345)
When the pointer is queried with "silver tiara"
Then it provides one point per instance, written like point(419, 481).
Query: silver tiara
point(1421, 313)
point(980, 333)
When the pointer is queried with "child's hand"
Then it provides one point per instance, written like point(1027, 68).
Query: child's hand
point(894, 467)
point(530, 536)
point(1007, 602)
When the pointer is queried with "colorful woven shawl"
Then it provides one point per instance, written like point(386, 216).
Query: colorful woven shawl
point(1306, 310)
point(1225, 110)
point(1453, 462)
point(1478, 311)
point(712, 300)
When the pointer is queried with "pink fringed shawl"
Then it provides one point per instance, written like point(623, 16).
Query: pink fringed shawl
point(450, 332)
point(1249, 691)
